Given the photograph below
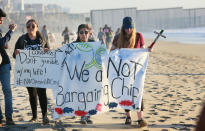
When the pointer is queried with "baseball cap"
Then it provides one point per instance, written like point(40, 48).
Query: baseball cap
point(128, 23)
point(2, 13)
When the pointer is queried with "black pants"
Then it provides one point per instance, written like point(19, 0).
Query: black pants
point(142, 107)
point(41, 92)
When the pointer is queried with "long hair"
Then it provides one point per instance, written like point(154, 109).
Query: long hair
point(79, 28)
point(38, 33)
point(124, 42)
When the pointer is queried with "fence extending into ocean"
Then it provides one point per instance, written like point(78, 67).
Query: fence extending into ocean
point(183, 25)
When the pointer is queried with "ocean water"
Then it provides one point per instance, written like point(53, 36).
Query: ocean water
point(185, 36)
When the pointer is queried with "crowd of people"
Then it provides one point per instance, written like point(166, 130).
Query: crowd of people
point(33, 39)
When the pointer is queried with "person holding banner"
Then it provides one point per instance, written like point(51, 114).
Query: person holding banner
point(33, 40)
point(129, 38)
point(5, 67)
point(83, 36)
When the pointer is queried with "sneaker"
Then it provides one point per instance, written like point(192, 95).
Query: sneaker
point(88, 120)
point(1, 123)
point(45, 120)
point(128, 121)
point(142, 123)
point(33, 119)
point(9, 121)
point(83, 120)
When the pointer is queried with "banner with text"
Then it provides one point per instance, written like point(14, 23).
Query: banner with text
point(36, 68)
point(89, 79)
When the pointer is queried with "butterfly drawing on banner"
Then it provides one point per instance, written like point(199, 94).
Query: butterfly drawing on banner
point(96, 55)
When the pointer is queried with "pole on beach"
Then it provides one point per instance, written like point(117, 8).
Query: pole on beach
point(158, 35)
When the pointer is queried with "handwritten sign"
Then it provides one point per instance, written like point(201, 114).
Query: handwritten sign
point(125, 70)
point(36, 68)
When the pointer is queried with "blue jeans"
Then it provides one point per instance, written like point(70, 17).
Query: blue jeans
point(6, 87)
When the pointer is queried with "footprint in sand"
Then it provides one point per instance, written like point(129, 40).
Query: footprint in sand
point(147, 117)
point(198, 98)
point(20, 96)
point(152, 110)
point(161, 120)
point(112, 111)
point(29, 114)
point(16, 111)
point(21, 119)
point(27, 107)
point(165, 117)
point(76, 129)
point(164, 130)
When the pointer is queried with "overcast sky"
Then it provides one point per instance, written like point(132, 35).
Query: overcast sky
point(82, 6)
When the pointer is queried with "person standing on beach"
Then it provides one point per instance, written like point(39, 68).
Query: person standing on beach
point(45, 32)
point(101, 35)
point(5, 67)
point(65, 34)
point(109, 39)
point(91, 33)
point(129, 38)
point(117, 31)
point(83, 36)
point(33, 40)
point(106, 29)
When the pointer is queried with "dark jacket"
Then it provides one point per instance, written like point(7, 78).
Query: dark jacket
point(24, 42)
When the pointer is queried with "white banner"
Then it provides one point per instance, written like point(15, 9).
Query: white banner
point(125, 71)
point(89, 79)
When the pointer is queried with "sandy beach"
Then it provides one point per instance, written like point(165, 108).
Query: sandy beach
point(173, 95)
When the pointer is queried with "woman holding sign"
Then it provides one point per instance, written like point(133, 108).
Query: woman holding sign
point(83, 36)
point(33, 40)
point(129, 38)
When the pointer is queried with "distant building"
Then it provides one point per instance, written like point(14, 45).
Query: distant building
point(5, 4)
point(17, 5)
point(34, 8)
point(50, 8)
point(66, 10)
point(53, 8)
